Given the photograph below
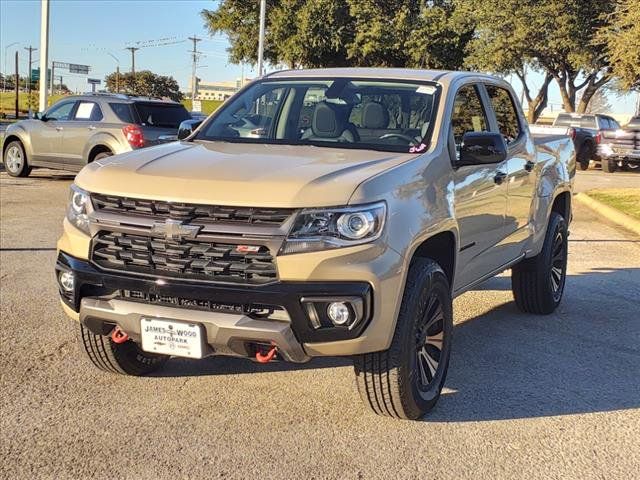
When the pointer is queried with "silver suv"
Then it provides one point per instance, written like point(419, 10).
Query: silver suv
point(80, 129)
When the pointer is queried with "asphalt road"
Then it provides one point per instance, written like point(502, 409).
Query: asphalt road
point(526, 397)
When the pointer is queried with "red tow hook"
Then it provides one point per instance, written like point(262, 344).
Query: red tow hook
point(268, 357)
point(118, 335)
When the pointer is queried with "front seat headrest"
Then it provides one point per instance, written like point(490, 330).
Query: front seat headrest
point(327, 121)
point(375, 115)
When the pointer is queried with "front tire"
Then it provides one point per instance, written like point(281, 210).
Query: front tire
point(584, 156)
point(405, 381)
point(15, 160)
point(538, 282)
point(124, 358)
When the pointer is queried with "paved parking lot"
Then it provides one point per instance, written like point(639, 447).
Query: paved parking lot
point(526, 397)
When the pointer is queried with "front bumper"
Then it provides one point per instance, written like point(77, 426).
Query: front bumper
point(233, 316)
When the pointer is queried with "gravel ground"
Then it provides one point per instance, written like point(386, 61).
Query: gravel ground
point(526, 397)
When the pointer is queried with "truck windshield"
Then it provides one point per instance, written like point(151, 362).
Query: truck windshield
point(384, 115)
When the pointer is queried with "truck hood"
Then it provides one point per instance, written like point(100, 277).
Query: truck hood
point(238, 174)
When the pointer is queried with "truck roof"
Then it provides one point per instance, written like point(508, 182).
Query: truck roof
point(441, 76)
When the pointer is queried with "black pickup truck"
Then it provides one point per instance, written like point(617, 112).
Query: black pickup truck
point(587, 132)
point(621, 148)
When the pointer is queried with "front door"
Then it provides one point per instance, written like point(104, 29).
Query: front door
point(46, 135)
point(480, 195)
point(521, 170)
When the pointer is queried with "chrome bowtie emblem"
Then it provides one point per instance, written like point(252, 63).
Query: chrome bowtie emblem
point(174, 230)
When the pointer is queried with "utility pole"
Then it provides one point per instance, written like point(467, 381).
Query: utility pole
point(44, 53)
point(17, 84)
point(53, 72)
point(263, 9)
point(133, 51)
point(194, 86)
point(30, 49)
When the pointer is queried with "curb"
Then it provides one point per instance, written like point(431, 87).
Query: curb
point(609, 213)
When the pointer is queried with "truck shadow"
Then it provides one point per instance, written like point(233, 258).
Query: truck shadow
point(584, 358)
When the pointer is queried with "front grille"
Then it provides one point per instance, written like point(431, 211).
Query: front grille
point(190, 212)
point(250, 309)
point(188, 259)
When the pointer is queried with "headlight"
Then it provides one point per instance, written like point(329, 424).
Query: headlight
point(334, 228)
point(78, 209)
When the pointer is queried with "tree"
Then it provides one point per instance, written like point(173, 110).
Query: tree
point(621, 39)
point(599, 103)
point(145, 83)
point(330, 33)
point(552, 36)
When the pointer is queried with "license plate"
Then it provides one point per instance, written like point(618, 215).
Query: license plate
point(169, 337)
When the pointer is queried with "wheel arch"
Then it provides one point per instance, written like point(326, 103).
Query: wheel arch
point(442, 249)
point(95, 150)
point(11, 138)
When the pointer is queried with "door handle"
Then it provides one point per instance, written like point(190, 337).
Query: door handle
point(59, 129)
point(91, 127)
point(499, 177)
point(529, 165)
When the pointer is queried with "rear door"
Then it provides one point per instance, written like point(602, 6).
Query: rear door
point(46, 136)
point(85, 121)
point(480, 194)
point(520, 166)
point(159, 120)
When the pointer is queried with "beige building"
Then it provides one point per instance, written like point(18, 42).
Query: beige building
point(218, 90)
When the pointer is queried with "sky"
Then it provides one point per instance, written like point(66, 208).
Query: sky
point(90, 32)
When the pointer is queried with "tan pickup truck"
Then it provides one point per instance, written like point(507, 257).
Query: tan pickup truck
point(332, 212)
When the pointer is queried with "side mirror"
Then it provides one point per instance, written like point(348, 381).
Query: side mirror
point(187, 127)
point(482, 147)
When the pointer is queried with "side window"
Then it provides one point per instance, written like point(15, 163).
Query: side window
point(123, 112)
point(468, 114)
point(61, 111)
point(88, 111)
point(614, 124)
point(506, 114)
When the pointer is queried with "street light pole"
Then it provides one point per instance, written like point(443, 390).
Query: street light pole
point(117, 71)
point(6, 49)
point(263, 10)
point(44, 53)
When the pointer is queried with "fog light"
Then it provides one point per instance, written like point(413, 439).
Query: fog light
point(67, 281)
point(339, 313)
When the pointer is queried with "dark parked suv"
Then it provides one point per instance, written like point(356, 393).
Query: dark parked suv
point(80, 129)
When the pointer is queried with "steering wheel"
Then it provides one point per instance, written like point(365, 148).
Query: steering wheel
point(411, 140)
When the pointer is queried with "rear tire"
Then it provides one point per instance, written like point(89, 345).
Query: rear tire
point(405, 381)
point(124, 358)
point(608, 166)
point(538, 282)
point(102, 155)
point(15, 160)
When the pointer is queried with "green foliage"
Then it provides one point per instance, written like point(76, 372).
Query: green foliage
point(621, 39)
point(555, 36)
point(333, 33)
point(144, 83)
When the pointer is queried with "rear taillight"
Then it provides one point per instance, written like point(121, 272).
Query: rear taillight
point(598, 138)
point(134, 135)
point(572, 133)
